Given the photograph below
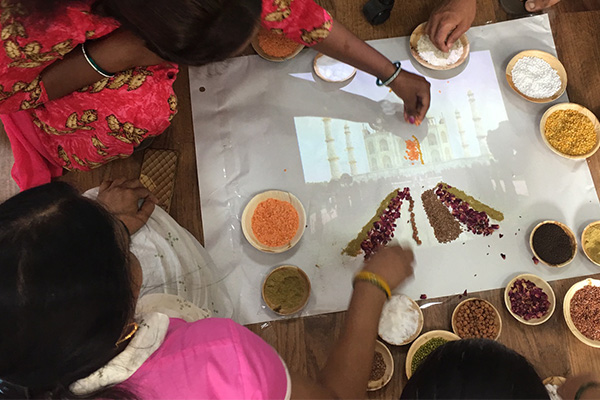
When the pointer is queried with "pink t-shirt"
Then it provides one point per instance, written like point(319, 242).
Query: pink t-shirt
point(213, 358)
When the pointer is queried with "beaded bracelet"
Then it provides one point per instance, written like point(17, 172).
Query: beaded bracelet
point(387, 82)
point(375, 280)
point(93, 64)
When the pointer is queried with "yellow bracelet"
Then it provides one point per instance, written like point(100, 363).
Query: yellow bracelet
point(375, 280)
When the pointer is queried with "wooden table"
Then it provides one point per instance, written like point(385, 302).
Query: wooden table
point(304, 343)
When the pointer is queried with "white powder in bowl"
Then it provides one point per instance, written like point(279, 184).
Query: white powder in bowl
point(399, 320)
point(435, 56)
point(334, 70)
point(535, 78)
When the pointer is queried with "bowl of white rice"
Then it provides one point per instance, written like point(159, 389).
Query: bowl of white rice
point(401, 320)
point(536, 76)
point(424, 51)
point(331, 70)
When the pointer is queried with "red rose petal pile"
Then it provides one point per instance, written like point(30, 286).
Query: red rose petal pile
point(527, 300)
point(383, 230)
point(475, 221)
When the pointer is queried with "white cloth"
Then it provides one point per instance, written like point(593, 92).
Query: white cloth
point(148, 338)
point(174, 262)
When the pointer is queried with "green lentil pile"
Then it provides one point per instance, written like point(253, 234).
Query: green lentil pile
point(424, 351)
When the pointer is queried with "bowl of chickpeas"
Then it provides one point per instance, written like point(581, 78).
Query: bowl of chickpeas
point(476, 318)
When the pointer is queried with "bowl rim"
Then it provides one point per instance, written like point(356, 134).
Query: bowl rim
point(498, 317)
point(539, 282)
point(569, 233)
point(421, 340)
point(414, 39)
point(268, 57)
point(580, 109)
point(583, 241)
point(389, 368)
point(550, 59)
point(419, 328)
point(567, 310)
point(246, 219)
point(318, 73)
point(308, 286)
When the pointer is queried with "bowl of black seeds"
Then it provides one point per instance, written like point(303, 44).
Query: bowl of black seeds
point(553, 243)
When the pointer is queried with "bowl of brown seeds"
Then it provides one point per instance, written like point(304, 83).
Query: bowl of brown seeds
point(581, 308)
point(476, 318)
point(553, 243)
point(382, 368)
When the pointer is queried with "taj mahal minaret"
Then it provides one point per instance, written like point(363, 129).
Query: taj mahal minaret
point(479, 130)
point(463, 138)
point(332, 157)
point(350, 150)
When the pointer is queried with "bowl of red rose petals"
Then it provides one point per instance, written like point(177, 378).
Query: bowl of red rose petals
point(530, 299)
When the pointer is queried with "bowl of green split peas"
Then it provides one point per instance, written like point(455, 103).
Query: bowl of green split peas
point(425, 345)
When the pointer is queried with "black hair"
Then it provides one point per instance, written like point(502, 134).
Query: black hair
point(66, 292)
point(193, 32)
point(475, 369)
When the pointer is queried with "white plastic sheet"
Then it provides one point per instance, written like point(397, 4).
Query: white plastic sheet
point(261, 125)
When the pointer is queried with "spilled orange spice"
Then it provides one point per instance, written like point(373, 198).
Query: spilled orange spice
point(275, 222)
point(413, 150)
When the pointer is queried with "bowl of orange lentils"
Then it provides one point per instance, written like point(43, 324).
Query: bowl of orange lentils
point(272, 45)
point(273, 221)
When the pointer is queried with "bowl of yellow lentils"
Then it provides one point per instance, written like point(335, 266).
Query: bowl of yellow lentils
point(570, 130)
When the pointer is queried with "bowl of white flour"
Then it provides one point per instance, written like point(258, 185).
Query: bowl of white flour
point(401, 320)
point(429, 56)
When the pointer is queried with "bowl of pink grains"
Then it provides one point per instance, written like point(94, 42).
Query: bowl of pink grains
point(529, 299)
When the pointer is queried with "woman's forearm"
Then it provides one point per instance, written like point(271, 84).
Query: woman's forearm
point(349, 364)
point(344, 46)
point(116, 52)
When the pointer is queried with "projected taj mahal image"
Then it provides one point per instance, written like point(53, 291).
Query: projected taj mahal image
point(376, 153)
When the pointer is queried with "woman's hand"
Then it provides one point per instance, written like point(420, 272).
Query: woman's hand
point(414, 91)
point(121, 198)
point(393, 264)
point(539, 5)
point(449, 21)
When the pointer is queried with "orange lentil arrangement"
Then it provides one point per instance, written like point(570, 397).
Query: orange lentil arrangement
point(570, 132)
point(275, 222)
point(275, 44)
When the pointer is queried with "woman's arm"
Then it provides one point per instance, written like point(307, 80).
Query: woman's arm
point(344, 46)
point(349, 365)
point(119, 51)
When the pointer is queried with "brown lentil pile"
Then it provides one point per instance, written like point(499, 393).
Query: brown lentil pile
point(445, 227)
point(413, 224)
point(377, 368)
point(476, 319)
point(570, 132)
point(585, 311)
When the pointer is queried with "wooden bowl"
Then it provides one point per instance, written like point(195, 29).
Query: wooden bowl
point(542, 284)
point(550, 59)
point(585, 250)
point(268, 57)
point(567, 230)
point(421, 340)
point(321, 75)
point(567, 310)
point(580, 109)
point(414, 39)
point(498, 320)
point(249, 212)
point(389, 367)
point(287, 311)
point(416, 307)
